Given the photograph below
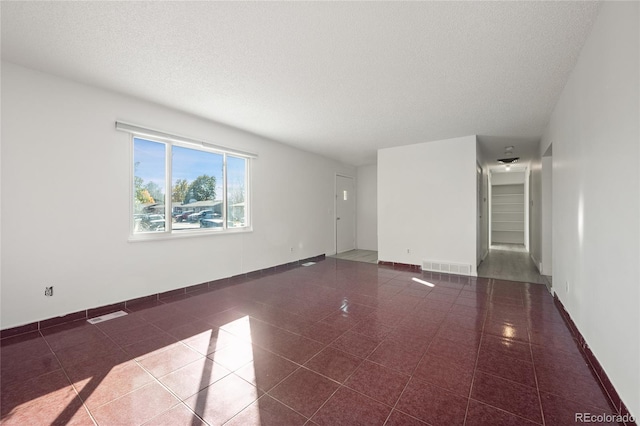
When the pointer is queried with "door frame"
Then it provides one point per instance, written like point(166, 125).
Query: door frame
point(479, 211)
point(335, 211)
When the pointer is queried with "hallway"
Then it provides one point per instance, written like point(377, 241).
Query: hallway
point(358, 255)
point(510, 262)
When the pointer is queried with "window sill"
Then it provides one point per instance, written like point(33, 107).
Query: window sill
point(156, 236)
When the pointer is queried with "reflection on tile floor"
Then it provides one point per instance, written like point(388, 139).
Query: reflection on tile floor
point(338, 342)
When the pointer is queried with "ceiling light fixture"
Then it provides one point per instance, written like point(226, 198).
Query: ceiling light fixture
point(508, 160)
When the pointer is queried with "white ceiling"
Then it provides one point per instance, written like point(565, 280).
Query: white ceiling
point(341, 79)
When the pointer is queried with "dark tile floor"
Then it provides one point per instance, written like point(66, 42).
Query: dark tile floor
point(336, 343)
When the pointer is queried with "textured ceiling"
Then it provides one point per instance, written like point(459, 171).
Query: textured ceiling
point(341, 79)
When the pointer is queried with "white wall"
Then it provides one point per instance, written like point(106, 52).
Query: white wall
point(483, 232)
point(596, 195)
point(547, 218)
point(427, 202)
point(65, 196)
point(535, 213)
point(367, 207)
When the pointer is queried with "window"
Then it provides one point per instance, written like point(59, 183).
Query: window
point(197, 195)
point(149, 164)
point(179, 188)
point(236, 191)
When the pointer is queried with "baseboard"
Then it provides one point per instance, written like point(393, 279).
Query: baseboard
point(536, 262)
point(398, 265)
point(484, 256)
point(165, 297)
point(594, 364)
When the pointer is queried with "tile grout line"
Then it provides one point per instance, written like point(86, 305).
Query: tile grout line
point(397, 401)
point(64, 371)
point(419, 361)
point(341, 385)
point(155, 379)
point(405, 387)
point(230, 371)
point(535, 375)
point(475, 366)
point(281, 402)
point(511, 381)
point(350, 329)
point(334, 286)
point(281, 356)
point(528, 343)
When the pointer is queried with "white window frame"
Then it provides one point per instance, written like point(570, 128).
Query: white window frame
point(169, 141)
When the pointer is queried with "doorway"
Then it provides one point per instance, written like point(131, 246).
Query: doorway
point(508, 257)
point(510, 262)
point(345, 214)
point(508, 214)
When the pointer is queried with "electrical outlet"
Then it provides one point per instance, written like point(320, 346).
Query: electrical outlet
point(567, 286)
point(408, 251)
point(291, 249)
point(48, 291)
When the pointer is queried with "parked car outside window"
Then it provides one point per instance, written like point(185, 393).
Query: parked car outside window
point(151, 222)
point(181, 217)
point(211, 220)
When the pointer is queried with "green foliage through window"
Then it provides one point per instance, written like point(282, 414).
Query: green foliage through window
point(196, 181)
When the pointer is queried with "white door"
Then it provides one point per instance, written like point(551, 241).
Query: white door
point(345, 214)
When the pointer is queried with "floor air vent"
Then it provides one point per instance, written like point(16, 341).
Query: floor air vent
point(447, 268)
point(106, 317)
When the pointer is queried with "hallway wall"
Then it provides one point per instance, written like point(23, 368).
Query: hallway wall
point(426, 207)
point(596, 195)
point(535, 213)
point(547, 216)
point(367, 207)
point(483, 233)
